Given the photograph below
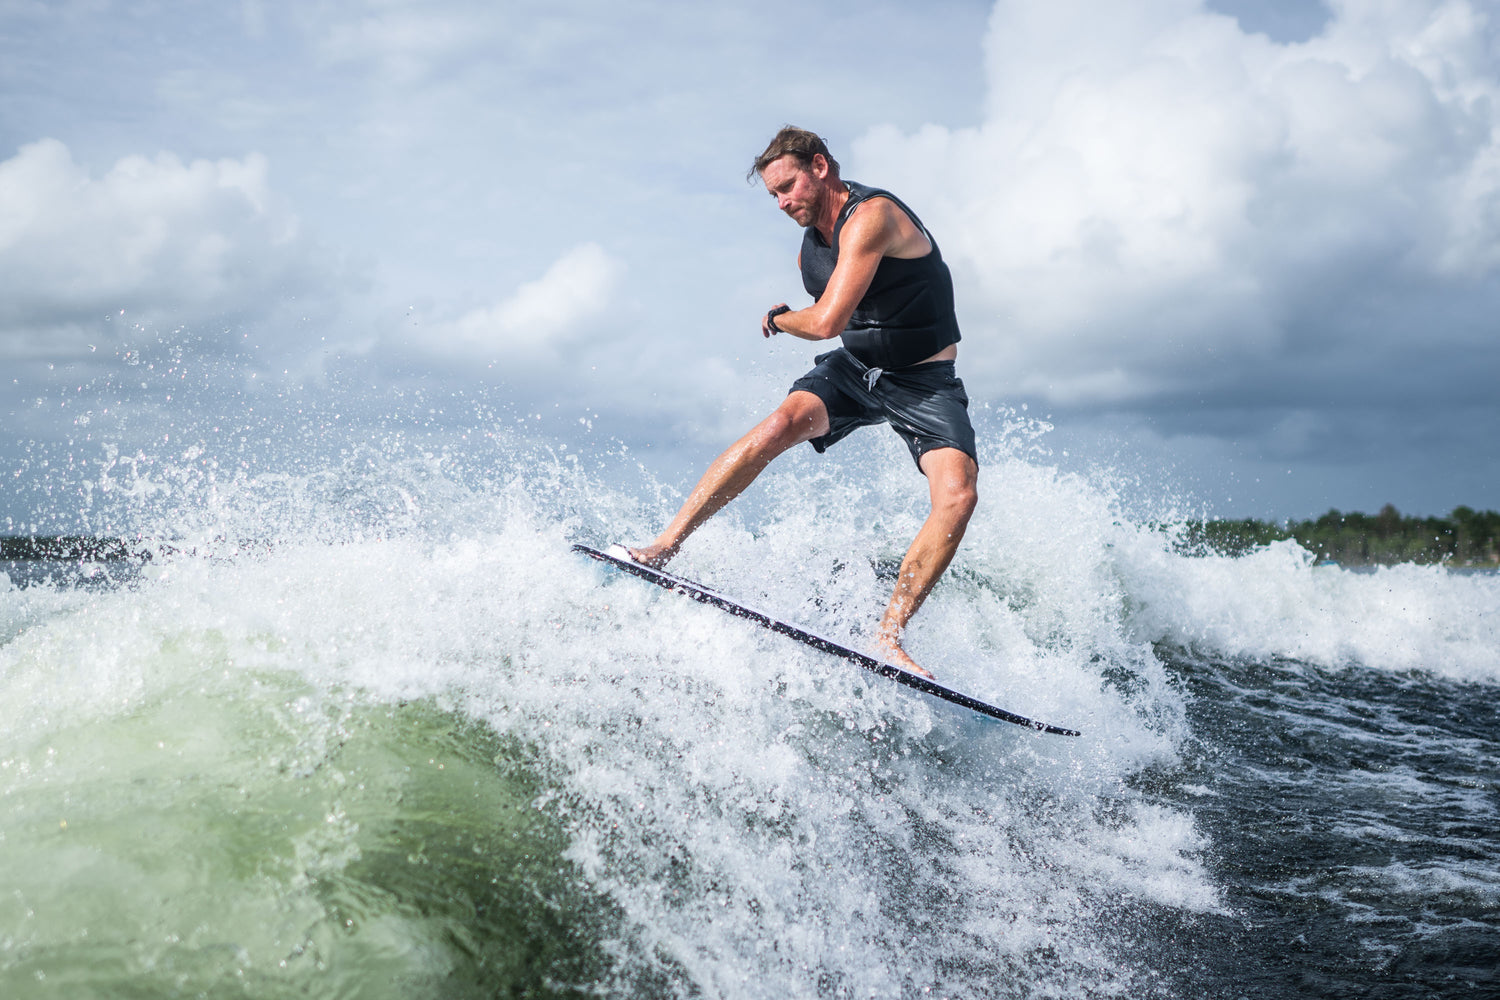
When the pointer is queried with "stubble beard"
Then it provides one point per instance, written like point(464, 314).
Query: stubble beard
point(813, 210)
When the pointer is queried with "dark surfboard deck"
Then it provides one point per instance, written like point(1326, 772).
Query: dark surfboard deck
point(890, 671)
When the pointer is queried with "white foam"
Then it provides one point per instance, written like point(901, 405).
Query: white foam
point(771, 821)
point(1275, 602)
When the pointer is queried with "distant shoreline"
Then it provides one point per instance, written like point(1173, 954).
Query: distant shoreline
point(64, 548)
point(1465, 538)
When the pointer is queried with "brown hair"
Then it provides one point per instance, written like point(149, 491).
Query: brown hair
point(793, 141)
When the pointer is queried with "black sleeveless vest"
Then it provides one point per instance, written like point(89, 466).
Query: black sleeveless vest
point(907, 314)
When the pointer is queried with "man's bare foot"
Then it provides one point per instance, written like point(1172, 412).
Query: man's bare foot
point(891, 650)
point(655, 556)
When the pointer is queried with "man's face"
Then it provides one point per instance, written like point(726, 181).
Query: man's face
point(796, 188)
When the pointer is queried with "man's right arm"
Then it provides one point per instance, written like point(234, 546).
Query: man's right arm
point(872, 230)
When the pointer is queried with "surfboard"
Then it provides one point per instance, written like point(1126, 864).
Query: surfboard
point(890, 671)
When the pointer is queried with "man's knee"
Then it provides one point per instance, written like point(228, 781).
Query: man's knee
point(773, 434)
point(954, 480)
point(801, 417)
point(958, 500)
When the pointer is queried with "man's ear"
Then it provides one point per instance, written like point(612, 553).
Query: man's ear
point(819, 166)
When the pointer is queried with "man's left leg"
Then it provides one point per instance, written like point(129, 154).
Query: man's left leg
point(952, 482)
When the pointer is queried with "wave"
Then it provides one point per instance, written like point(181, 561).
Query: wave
point(376, 726)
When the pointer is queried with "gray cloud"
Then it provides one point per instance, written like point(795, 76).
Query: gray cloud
point(1165, 215)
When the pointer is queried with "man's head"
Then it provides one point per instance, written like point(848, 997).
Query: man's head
point(799, 173)
point(798, 143)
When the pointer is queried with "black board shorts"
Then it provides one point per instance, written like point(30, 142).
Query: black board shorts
point(925, 404)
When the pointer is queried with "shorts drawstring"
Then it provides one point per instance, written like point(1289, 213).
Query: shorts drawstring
point(872, 375)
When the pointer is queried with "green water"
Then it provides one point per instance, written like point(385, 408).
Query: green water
point(246, 837)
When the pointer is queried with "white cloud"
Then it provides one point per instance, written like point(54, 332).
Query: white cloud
point(540, 318)
point(1156, 200)
point(154, 237)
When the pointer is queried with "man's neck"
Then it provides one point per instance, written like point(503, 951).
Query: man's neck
point(838, 197)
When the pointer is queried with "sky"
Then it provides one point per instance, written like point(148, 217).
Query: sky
point(1245, 253)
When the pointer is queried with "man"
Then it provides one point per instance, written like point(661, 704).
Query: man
point(879, 283)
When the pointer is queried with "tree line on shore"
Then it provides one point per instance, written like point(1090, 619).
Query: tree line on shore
point(62, 548)
point(1465, 537)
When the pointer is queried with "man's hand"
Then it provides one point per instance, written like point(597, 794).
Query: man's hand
point(768, 321)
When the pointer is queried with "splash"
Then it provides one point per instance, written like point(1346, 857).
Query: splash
point(375, 720)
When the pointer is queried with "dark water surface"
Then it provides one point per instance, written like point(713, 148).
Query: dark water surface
point(1353, 816)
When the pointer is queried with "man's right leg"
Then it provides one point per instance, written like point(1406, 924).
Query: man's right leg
point(800, 417)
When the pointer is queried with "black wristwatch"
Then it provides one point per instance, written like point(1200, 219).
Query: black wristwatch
point(771, 318)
